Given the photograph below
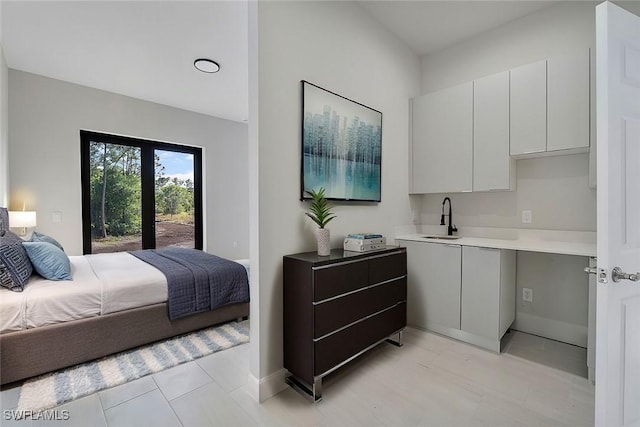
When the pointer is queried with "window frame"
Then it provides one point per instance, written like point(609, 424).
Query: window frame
point(147, 175)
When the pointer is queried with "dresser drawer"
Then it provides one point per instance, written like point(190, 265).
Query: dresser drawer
point(386, 267)
point(335, 349)
point(339, 312)
point(338, 279)
point(382, 296)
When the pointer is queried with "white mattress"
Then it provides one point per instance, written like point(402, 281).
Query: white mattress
point(102, 284)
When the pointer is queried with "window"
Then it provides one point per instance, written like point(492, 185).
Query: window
point(139, 194)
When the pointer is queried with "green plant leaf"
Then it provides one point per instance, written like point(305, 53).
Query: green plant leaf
point(319, 210)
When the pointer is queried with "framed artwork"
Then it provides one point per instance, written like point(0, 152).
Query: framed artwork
point(341, 146)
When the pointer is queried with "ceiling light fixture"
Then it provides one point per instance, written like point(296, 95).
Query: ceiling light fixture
point(206, 65)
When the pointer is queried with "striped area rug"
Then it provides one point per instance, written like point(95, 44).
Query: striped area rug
point(56, 388)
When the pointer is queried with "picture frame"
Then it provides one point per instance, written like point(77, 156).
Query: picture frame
point(341, 146)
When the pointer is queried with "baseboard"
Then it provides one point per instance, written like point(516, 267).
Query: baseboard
point(264, 388)
point(550, 328)
point(477, 340)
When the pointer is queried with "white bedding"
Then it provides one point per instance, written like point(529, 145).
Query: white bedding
point(102, 284)
point(127, 282)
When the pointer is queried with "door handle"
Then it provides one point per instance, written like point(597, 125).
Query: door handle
point(617, 274)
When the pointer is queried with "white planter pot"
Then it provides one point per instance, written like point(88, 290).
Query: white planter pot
point(322, 236)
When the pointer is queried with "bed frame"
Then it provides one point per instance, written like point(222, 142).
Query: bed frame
point(31, 352)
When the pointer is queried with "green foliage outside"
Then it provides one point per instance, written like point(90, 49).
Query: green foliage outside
point(116, 191)
point(173, 198)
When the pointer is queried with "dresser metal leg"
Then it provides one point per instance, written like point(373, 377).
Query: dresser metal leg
point(317, 389)
point(313, 392)
point(399, 342)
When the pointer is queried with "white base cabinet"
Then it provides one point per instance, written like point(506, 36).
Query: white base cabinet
point(433, 289)
point(467, 293)
point(488, 306)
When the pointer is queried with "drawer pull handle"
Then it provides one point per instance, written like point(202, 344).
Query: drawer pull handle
point(358, 290)
point(358, 321)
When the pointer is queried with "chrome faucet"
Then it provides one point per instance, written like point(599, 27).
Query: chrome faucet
point(451, 228)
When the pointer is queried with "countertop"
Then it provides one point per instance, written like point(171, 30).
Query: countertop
point(549, 241)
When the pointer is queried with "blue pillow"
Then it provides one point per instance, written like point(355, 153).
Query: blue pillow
point(15, 267)
point(48, 260)
point(39, 237)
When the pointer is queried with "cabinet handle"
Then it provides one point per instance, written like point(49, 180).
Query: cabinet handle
point(337, 264)
point(385, 255)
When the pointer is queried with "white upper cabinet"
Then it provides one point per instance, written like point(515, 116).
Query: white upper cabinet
point(550, 106)
point(442, 141)
point(568, 101)
point(464, 138)
point(493, 168)
point(529, 109)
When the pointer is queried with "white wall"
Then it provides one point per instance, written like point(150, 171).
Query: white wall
point(335, 45)
point(45, 118)
point(555, 189)
point(4, 130)
point(4, 125)
point(560, 296)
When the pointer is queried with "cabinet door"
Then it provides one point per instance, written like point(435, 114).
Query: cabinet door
point(433, 285)
point(488, 291)
point(442, 145)
point(529, 109)
point(480, 305)
point(568, 101)
point(491, 160)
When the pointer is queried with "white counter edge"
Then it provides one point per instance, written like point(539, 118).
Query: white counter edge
point(547, 246)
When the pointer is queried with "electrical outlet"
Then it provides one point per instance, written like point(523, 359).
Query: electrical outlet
point(527, 294)
point(527, 217)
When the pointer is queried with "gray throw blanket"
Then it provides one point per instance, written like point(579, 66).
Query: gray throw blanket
point(197, 281)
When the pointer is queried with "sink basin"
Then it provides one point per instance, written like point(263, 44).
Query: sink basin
point(442, 237)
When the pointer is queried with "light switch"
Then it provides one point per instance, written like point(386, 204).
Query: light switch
point(56, 216)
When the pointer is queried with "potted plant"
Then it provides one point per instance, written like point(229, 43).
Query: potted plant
point(320, 213)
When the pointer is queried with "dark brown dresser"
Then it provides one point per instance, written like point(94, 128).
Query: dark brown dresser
point(336, 307)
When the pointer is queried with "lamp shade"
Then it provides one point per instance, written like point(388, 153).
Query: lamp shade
point(23, 219)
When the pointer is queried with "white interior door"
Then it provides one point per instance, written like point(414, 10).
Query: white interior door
point(618, 302)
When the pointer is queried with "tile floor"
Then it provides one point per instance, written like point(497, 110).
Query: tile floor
point(431, 381)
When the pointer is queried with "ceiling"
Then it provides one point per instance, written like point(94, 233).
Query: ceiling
point(142, 49)
point(146, 49)
point(429, 26)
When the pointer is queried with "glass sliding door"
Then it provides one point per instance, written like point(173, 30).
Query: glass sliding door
point(175, 202)
point(139, 194)
point(116, 197)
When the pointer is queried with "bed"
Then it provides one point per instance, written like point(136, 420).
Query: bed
point(115, 302)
